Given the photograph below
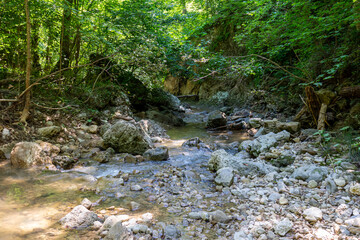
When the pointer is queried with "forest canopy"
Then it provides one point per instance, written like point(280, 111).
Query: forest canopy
point(277, 43)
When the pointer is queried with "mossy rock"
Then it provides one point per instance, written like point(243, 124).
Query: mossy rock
point(326, 96)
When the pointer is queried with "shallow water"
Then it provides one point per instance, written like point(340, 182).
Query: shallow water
point(32, 202)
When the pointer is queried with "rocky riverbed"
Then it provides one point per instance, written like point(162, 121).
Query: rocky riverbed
point(245, 178)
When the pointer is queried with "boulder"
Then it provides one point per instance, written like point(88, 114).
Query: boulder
point(224, 177)
point(171, 232)
point(219, 216)
point(27, 154)
point(111, 221)
point(353, 224)
point(291, 127)
point(264, 142)
point(325, 96)
point(49, 131)
point(157, 154)
point(310, 172)
point(152, 129)
point(193, 142)
point(242, 165)
point(79, 218)
point(256, 122)
point(118, 232)
point(159, 97)
point(216, 119)
point(64, 162)
point(166, 117)
point(126, 137)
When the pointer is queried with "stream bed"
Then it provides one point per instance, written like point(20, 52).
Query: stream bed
point(32, 202)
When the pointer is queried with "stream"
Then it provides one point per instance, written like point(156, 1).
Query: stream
point(32, 202)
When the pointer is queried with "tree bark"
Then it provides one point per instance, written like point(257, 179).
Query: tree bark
point(25, 112)
point(322, 117)
point(36, 67)
point(350, 92)
point(65, 35)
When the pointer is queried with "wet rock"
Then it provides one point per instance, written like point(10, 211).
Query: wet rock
point(256, 122)
point(264, 142)
point(221, 159)
point(126, 137)
point(193, 142)
point(111, 221)
point(157, 154)
point(79, 218)
point(311, 172)
point(134, 206)
point(153, 129)
point(224, 177)
point(86, 203)
point(49, 131)
point(130, 158)
point(103, 156)
point(171, 232)
point(283, 227)
point(118, 232)
point(216, 119)
point(313, 214)
point(219, 216)
point(64, 162)
point(27, 154)
point(355, 189)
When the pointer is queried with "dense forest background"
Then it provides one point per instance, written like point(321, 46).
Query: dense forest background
point(79, 47)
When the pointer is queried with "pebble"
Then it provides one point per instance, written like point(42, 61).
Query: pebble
point(312, 184)
point(136, 188)
point(313, 214)
point(283, 227)
point(341, 182)
point(355, 189)
point(283, 201)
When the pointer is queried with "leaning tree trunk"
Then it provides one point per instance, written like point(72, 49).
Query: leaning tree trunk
point(25, 112)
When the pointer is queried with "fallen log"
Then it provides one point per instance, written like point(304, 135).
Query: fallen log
point(322, 117)
point(350, 92)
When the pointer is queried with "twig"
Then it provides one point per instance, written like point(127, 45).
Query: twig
point(51, 108)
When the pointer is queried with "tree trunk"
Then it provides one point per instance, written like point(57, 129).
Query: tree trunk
point(36, 67)
point(25, 112)
point(65, 35)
